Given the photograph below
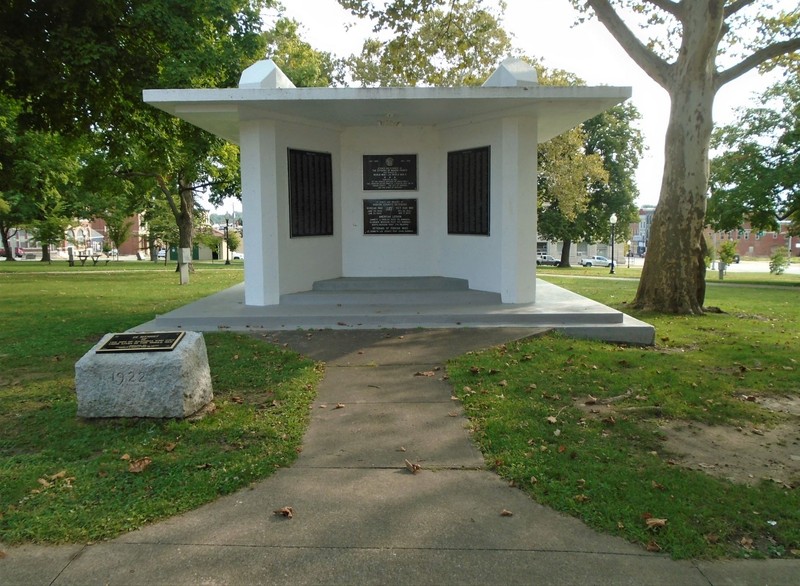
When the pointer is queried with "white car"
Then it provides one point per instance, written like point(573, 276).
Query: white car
point(595, 261)
point(237, 256)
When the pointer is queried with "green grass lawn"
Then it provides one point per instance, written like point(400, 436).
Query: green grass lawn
point(526, 402)
point(63, 479)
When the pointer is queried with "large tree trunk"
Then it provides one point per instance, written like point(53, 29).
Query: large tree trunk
point(673, 278)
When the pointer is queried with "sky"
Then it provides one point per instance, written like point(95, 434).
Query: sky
point(544, 29)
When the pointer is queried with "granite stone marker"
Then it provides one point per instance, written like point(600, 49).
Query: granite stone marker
point(152, 374)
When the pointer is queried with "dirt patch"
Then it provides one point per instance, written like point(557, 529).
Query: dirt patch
point(745, 455)
point(742, 455)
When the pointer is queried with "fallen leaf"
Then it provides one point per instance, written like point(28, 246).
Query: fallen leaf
point(58, 475)
point(551, 419)
point(44, 482)
point(610, 420)
point(746, 542)
point(655, 523)
point(125, 457)
point(653, 547)
point(287, 512)
point(238, 400)
point(657, 486)
point(339, 406)
point(503, 383)
point(712, 538)
point(425, 373)
point(140, 465)
point(170, 447)
point(534, 480)
point(474, 369)
point(204, 466)
point(506, 513)
point(581, 498)
point(590, 401)
point(413, 468)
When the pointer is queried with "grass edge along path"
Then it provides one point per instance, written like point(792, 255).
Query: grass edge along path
point(89, 480)
point(526, 404)
point(63, 479)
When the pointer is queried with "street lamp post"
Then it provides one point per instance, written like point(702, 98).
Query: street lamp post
point(227, 244)
point(613, 221)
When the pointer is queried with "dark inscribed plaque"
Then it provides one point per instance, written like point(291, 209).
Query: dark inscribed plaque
point(310, 194)
point(144, 342)
point(390, 216)
point(468, 191)
point(390, 172)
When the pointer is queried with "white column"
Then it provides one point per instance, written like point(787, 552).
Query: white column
point(260, 213)
point(518, 209)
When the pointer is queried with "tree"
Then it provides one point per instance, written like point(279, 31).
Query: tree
point(696, 48)
point(757, 175)
point(429, 46)
point(301, 63)
point(81, 67)
point(39, 179)
point(615, 147)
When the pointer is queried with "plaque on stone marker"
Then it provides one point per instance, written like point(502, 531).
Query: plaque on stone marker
point(390, 172)
point(142, 342)
point(390, 216)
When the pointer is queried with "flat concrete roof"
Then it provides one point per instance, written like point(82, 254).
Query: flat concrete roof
point(222, 111)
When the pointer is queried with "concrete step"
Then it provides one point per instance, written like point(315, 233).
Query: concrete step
point(392, 284)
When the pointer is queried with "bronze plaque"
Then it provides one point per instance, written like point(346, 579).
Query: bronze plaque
point(142, 342)
point(390, 216)
point(390, 172)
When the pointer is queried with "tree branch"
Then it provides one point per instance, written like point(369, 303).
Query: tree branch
point(757, 58)
point(651, 63)
point(735, 7)
point(667, 6)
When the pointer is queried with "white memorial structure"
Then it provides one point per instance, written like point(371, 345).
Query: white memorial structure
point(381, 183)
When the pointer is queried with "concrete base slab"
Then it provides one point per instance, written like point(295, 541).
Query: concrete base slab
point(337, 305)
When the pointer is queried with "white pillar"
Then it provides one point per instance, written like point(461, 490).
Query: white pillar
point(518, 209)
point(260, 213)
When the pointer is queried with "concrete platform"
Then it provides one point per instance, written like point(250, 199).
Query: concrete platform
point(425, 302)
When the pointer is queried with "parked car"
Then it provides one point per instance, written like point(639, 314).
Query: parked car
point(162, 253)
point(595, 261)
point(237, 255)
point(546, 259)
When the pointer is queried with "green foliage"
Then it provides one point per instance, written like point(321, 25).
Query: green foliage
point(612, 146)
point(756, 176)
point(234, 240)
point(727, 251)
point(526, 402)
point(444, 44)
point(262, 394)
point(778, 262)
point(301, 63)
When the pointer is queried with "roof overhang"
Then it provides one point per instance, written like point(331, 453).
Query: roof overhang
point(224, 111)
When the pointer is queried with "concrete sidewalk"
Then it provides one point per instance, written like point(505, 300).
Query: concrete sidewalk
point(361, 517)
